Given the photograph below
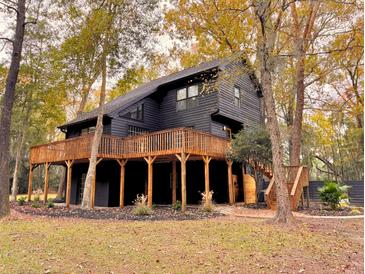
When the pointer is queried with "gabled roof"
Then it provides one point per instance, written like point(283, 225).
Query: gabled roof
point(147, 89)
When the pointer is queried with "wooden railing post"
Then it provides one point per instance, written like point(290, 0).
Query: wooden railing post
point(150, 161)
point(122, 164)
point(230, 181)
point(173, 182)
point(46, 169)
point(30, 184)
point(69, 164)
point(183, 158)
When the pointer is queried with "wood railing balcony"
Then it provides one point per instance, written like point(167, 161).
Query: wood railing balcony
point(158, 143)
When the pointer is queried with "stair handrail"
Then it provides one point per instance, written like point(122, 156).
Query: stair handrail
point(299, 183)
point(269, 187)
point(296, 181)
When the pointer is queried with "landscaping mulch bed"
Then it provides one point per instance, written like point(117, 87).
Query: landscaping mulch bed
point(316, 209)
point(115, 213)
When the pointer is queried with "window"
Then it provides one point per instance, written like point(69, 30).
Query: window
point(187, 97)
point(87, 130)
point(133, 130)
point(137, 113)
point(237, 96)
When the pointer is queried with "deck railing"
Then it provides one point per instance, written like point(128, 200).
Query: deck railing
point(157, 143)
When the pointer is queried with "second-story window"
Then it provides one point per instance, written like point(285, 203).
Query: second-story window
point(237, 97)
point(137, 113)
point(187, 97)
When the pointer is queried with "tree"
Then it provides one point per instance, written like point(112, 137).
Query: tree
point(5, 120)
point(122, 28)
point(251, 144)
point(268, 17)
point(301, 41)
point(258, 24)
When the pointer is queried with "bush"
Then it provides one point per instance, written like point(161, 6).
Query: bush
point(21, 200)
point(140, 206)
point(50, 203)
point(36, 198)
point(177, 206)
point(35, 204)
point(332, 193)
point(207, 201)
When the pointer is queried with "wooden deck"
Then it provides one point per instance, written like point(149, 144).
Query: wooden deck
point(173, 144)
point(159, 143)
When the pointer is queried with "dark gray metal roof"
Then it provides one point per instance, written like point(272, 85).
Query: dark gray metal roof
point(147, 89)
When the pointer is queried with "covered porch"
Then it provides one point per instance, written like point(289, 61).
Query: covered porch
point(171, 149)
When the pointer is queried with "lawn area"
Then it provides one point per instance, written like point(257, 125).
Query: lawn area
point(228, 245)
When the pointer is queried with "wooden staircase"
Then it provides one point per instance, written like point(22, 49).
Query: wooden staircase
point(297, 178)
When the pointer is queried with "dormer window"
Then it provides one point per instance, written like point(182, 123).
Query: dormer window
point(187, 97)
point(137, 113)
point(237, 97)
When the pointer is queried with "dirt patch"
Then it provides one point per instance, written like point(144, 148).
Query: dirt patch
point(126, 213)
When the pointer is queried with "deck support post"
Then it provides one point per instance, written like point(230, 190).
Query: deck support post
point(30, 182)
point(69, 164)
point(308, 196)
point(183, 158)
point(122, 163)
point(93, 185)
point(230, 182)
point(206, 160)
point(173, 182)
point(46, 179)
point(150, 161)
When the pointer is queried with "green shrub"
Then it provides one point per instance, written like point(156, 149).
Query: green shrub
point(177, 205)
point(332, 193)
point(50, 203)
point(35, 204)
point(207, 201)
point(140, 206)
point(21, 200)
point(36, 198)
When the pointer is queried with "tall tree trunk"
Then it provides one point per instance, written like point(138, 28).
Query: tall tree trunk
point(8, 106)
point(296, 132)
point(61, 185)
point(300, 46)
point(86, 201)
point(26, 109)
point(14, 188)
point(266, 44)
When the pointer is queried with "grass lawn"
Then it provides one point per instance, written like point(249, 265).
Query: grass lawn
point(228, 245)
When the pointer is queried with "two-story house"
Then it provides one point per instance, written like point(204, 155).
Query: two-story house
point(167, 138)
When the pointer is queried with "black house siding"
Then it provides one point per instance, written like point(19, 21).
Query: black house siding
point(75, 130)
point(216, 129)
point(198, 117)
point(151, 122)
point(249, 112)
point(213, 111)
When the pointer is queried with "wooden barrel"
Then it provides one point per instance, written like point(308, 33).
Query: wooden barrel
point(249, 189)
